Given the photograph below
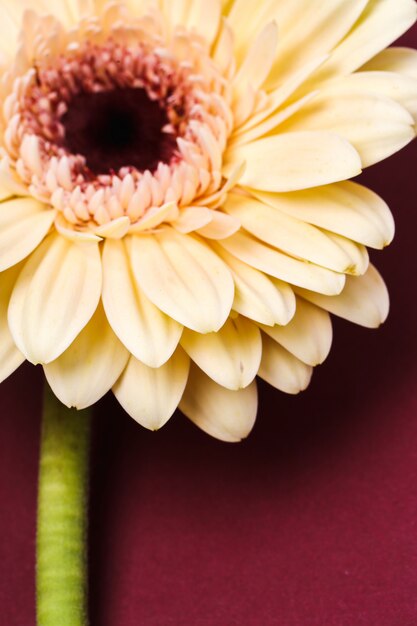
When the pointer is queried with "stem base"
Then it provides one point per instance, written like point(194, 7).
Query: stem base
point(61, 577)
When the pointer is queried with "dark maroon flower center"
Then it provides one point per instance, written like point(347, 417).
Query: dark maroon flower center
point(118, 128)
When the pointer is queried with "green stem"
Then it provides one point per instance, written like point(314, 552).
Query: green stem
point(61, 584)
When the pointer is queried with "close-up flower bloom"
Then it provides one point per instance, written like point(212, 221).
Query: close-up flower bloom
point(176, 214)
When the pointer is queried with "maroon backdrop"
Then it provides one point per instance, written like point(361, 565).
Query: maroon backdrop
point(310, 522)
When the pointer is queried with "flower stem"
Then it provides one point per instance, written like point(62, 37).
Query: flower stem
point(61, 584)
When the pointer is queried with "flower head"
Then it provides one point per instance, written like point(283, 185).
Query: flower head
point(175, 215)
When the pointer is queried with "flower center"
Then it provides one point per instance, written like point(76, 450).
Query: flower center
point(119, 128)
point(132, 126)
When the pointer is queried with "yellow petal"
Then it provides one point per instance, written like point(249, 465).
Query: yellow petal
point(147, 333)
point(231, 356)
point(184, 278)
point(308, 336)
point(90, 366)
point(279, 265)
point(375, 125)
point(289, 234)
point(345, 208)
point(224, 414)
point(226, 4)
point(364, 300)
point(151, 395)
point(281, 369)
point(262, 299)
point(54, 297)
point(294, 161)
point(10, 356)
point(24, 222)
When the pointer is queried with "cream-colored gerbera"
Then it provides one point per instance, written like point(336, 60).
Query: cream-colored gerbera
point(175, 217)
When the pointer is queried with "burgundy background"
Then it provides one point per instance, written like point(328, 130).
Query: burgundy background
point(312, 521)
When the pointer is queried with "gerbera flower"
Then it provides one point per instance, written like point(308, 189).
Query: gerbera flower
point(175, 217)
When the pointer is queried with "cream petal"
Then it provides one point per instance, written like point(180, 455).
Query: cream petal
point(67, 230)
point(258, 61)
point(289, 234)
point(357, 253)
point(277, 98)
point(258, 297)
point(294, 161)
point(322, 26)
point(308, 336)
point(146, 332)
point(10, 356)
point(390, 85)
point(275, 263)
point(15, 11)
point(192, 218)
point(376, 126)
point(364, 300)
point(90, 366)
point(116, 229)
point(396, 59)
point(270, 123)
point(151, 395)
point(24, 222)
point(54, 297)
point(10, 183)
point(231, 356)
point(380, 24)
point(9, 30)
point(175, 11)
point(220, 226)
point(345, 208)
point(204, 18)
point(30, 153)
point(305, 28)
point(281, 369)
point(79, 8)
point(184, 278)
point(5, 191)
point(224, 414)
point(222, 53)
point(243, 28)
point(216, 199)
point(154, 217)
